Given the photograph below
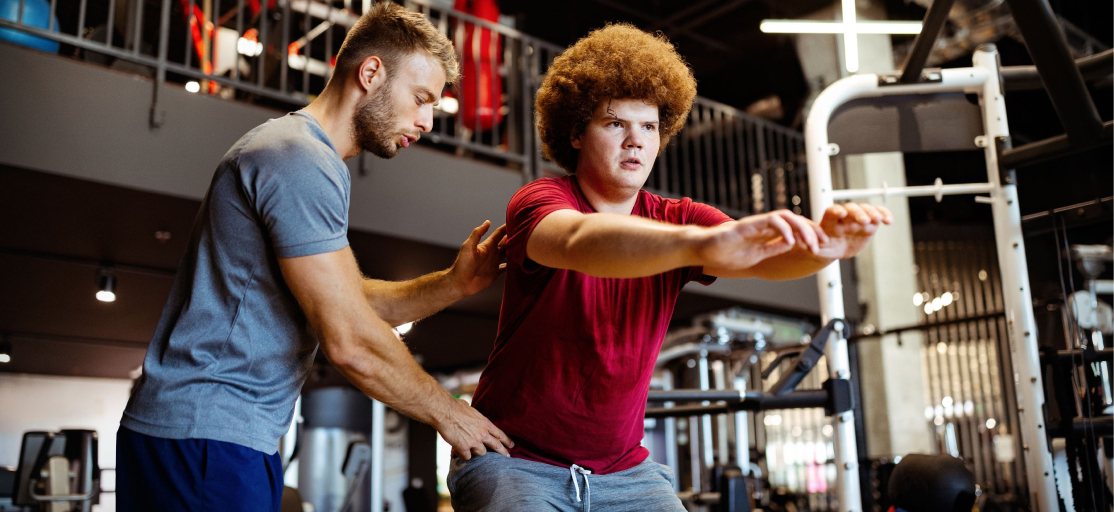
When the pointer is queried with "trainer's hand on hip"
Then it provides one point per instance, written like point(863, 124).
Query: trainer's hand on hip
point(744, 243)
point(470, 433)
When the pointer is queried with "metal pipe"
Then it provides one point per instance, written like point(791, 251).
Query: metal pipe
point(1026, 78)
point(926, 40)
point(705, 420)
point(1049, 49)
point(754, 401)
point(938, 190)
point(718, 375)
point(1054, 147)
point(1018, 301)
point(378, 413)
point(742, 435)
point(693, 395)
point(670, 433)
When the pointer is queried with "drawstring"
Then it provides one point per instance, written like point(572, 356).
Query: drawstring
point(587, 487)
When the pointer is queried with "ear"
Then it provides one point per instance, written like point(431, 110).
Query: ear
point(575, 141)
point(371, 74)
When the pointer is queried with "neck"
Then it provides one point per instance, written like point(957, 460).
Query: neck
point(607, 200)
point(334, 110)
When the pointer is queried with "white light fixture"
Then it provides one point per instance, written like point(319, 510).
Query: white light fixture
point(946, 298)
point(193, 86)
point(5, 351)
point(404, 328)
point(838, 27)
point(106, 283)
point(449, 105)
point(248, 47)
point(918, 299)
point(849, 27)
point(991, 423)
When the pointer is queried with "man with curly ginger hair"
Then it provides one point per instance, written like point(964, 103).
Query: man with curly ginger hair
point(594, 268)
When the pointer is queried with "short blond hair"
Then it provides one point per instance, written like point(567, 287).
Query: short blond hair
point(391, 32)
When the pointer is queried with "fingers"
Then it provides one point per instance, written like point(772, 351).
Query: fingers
point(500, 236)
point(503, 438)
point(887, 215)
point(832, 216)
point(856, 213)
point(804, 229)
point(783, 228)
point(478, 233)
point(496, 446)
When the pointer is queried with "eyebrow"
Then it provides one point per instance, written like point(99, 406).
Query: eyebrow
point(611, 117)
point(430, 97)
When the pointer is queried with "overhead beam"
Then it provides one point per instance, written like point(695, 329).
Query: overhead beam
point(1049, 49)
point(926, 40)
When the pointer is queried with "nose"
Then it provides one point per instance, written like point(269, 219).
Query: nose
point(634, 139)
point(425, 119)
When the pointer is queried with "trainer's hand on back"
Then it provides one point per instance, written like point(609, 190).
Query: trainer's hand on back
point(744, 243)
point(470, 433)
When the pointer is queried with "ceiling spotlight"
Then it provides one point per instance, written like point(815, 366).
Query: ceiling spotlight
point(5, 350)
point(106, 282)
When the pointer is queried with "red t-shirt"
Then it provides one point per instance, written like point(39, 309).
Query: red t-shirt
point(572, 363)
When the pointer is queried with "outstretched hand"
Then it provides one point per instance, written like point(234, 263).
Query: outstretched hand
point(479, 263)
point(744, 243)
point(849, 227)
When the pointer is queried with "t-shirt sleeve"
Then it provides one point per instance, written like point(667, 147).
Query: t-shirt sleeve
point(302, 203)
point(702, 215)
point(527, 208)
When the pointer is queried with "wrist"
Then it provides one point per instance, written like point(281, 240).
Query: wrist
point(454, 284)
point(694, 240)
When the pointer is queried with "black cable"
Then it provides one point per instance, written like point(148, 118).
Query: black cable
point(1086, 409)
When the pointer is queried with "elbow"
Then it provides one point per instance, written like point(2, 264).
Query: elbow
point(340, 349)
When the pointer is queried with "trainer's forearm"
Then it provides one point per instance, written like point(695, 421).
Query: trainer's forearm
point(374, 360)
point(399, 302)
point(623, 246)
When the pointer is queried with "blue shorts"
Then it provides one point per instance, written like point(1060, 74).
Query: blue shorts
point(194, 475)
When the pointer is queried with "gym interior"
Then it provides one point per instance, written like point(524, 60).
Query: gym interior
point(970, 339)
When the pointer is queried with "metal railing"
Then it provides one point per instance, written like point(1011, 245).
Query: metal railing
point(280, 53)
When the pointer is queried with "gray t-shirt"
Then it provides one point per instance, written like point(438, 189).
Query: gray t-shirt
point(233, 347)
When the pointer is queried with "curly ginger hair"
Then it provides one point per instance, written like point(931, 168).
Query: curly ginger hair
point(619, 61)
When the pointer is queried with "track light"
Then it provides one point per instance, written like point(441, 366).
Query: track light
point(5, 350)
point(106, 281)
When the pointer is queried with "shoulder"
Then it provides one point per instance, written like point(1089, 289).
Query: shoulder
point(680, 211)
point(545, 189)
point(290, 143)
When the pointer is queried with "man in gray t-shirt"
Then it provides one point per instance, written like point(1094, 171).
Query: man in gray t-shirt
point(269, 277)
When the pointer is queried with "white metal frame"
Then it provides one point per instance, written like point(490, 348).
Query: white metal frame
point(982, 79)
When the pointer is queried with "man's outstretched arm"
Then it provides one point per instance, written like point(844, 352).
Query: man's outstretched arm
point(367, 352)
point(849, 227)
point(476, 267)
point(613, 245)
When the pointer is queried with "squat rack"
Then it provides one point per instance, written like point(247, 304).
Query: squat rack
point(1062, 78)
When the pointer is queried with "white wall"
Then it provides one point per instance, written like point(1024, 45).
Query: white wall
point(36, 402)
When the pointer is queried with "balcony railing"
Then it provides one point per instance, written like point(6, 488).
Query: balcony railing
point(280, 53)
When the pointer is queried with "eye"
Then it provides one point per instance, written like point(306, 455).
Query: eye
point(650, 127)
point(418, 100)
point(615, 124)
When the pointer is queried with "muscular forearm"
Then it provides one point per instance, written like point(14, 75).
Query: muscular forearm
point(795, 264)
point(623, 246)
point(407, 301)
point(380, 366)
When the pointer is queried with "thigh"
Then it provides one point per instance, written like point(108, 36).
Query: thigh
point(194, 475)
point(494, 483)
point(647, 486)
point(240, 479)
point(153, 473)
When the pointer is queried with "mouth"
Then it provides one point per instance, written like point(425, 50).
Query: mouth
point(407, 140)
point(631, 164)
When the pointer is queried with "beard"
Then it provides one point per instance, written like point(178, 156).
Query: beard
point(374, 123)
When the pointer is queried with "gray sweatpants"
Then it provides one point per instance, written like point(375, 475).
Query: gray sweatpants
point(496, 483)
